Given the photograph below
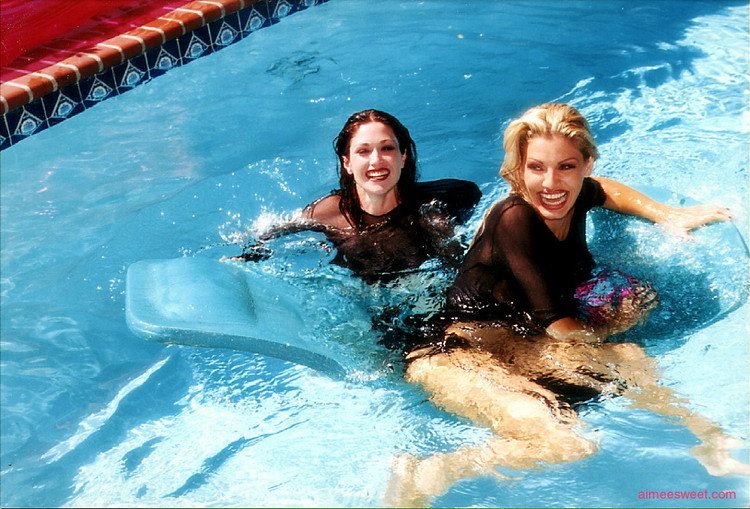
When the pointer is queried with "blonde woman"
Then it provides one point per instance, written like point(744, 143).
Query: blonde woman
point(528, 343)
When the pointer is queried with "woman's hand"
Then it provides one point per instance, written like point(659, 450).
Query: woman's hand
point(252, 253)
point(682, 220)
point(628, 311)
point(570, 329)
point(611, 318)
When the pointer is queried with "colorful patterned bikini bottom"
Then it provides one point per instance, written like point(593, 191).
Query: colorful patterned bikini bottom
point(600, 297)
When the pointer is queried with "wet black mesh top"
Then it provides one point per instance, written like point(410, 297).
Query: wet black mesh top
point(418, 229)
point(517, 269)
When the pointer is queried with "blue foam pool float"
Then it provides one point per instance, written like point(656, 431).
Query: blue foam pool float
point(208, 303)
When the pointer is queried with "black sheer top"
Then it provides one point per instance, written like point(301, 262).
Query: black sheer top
point(420, 228)
point(517, 269)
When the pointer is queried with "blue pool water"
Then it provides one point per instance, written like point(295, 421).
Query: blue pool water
point(93, 416)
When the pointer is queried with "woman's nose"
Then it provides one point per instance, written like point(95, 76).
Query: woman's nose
point(550, 178)
point(374, 156)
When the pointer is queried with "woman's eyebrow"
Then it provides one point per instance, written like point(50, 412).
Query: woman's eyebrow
point(385, 140)
point(533, 159)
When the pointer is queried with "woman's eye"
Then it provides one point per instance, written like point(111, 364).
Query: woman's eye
point(568, 167)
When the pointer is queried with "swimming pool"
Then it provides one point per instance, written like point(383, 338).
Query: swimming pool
point(93, 416)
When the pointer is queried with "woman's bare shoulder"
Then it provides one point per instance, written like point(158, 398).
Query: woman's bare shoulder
point(326, 211)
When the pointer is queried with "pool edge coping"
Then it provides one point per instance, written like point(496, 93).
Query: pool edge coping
point(40, 99)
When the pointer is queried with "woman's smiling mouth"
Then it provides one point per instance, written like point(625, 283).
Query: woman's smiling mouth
point(553, 200)
point(378, 174)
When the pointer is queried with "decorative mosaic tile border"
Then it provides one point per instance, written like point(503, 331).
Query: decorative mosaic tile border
point(39, 100)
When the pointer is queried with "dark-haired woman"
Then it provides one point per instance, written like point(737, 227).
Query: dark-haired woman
point(381, 220)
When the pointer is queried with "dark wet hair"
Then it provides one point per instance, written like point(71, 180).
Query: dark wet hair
point(349, 204)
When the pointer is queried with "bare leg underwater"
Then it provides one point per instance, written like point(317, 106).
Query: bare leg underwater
point(508, 383)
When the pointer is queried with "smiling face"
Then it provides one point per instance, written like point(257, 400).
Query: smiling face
point(553, 173)
point(375, 162)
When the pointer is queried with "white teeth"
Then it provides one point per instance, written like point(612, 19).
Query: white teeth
point(555, 196)
point(554, 199)
point(376, 173)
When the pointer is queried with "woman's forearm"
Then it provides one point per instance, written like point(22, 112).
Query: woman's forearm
point(626, 200)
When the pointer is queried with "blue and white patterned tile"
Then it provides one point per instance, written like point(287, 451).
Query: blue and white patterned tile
point(163, 58)
point(63, 104)
point(130, 73)
point(28, 120)
point(254, 18)
point(97, 88)
point(5, 139)
point(196, 44)
point(226, 31)
point(280, 9)
point(12, 119)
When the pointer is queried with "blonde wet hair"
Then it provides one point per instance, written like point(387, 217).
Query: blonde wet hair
point(542, 120)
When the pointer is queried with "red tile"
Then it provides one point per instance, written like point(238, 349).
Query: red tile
point(87, 64)
point(211, 12)
point(130, 47)
point(7, 73)
point(151, 38)
point(108, 55)
point(98, 43)
point(231, 6)
point(63, 75)
point(39, 85)
point(189, 19)
point(14, 96)
point(171, 28)
point(37, 53)
point(94, 35)
point(19, 67)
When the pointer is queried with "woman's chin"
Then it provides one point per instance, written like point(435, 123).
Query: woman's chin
point(379, 187)
point(553, 213)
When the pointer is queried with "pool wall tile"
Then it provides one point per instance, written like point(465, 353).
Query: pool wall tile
point(197, 45)
point(253, 18)
point(69, 75)
point(163, 58)
point(30, 119)
point(98, 87)
point(229, 31)
point(131, 73)
point(63, 104)
point(4, 133)
point(11, 122)
point(76, 67)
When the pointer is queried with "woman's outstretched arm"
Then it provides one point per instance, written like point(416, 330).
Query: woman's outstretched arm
point(256, 251)
point(680, 220)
